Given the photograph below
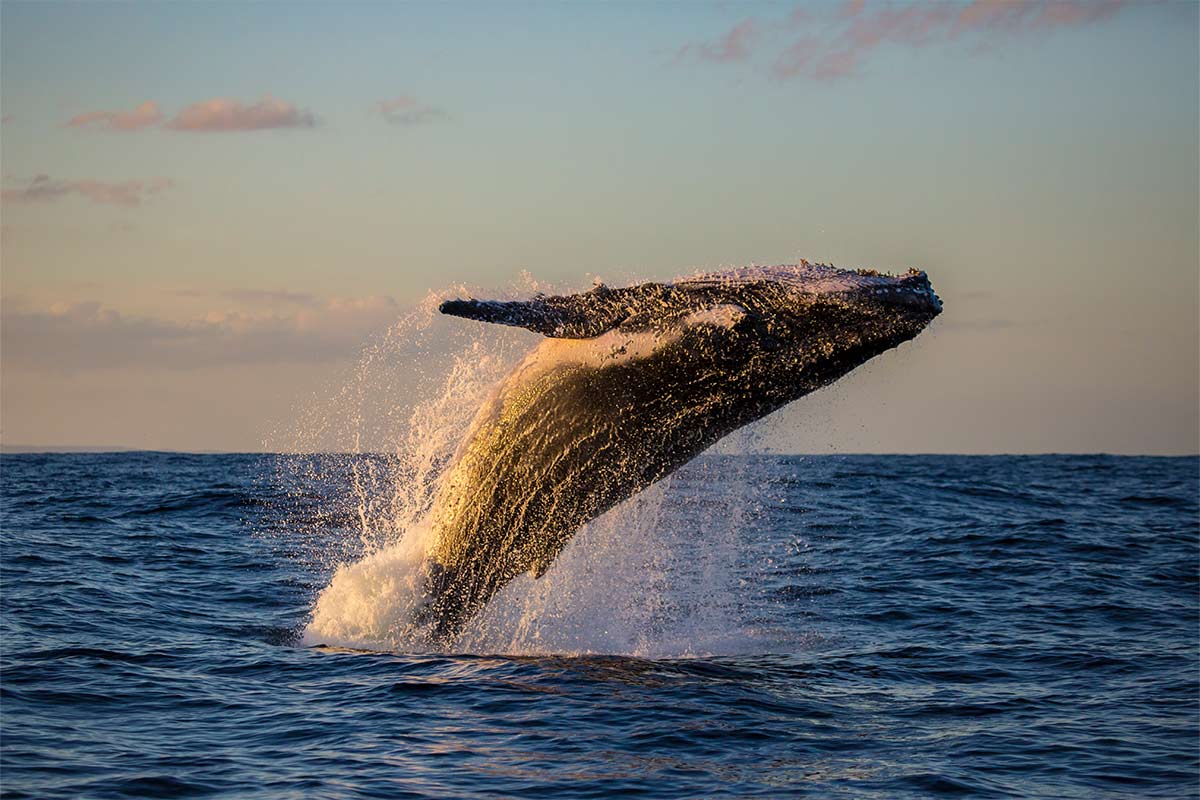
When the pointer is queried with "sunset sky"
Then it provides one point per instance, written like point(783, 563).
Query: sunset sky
point(209, 208)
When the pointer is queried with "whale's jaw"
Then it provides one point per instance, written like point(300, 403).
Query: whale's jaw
point(631, 384)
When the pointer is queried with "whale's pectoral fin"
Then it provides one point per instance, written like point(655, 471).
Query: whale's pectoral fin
point(575, 316)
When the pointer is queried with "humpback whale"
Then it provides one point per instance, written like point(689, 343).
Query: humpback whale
point(629, 385)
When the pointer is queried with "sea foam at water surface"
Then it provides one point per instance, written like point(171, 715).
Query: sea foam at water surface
point(370, 603)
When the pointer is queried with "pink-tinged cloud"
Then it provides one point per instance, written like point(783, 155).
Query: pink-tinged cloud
point(406, 110)
point(1004, 16)
point(840, 43)
point(851, 8)
point(733, 46)
point(838, 64)
point(126, 193)
point(144, 116)
point(222, 115)
point(797, 57)
point(915, 25)
point(7, 118)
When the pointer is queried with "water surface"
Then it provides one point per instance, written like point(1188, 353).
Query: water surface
point(858, 626)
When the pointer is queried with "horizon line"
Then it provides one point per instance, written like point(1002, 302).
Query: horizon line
point(19, 449)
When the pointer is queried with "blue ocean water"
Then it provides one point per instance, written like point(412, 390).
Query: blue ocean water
point(909, 626)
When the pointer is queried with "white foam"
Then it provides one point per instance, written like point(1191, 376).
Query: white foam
point(370, 603)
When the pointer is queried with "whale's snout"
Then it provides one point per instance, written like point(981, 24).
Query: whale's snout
point(912, 292)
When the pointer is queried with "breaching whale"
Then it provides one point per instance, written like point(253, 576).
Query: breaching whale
point(628, 385)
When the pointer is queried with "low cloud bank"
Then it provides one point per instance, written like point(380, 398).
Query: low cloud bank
point(43, 188)
point(144, 116)
point(85, 336)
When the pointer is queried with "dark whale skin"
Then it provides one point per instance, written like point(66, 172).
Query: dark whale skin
point(637, 382)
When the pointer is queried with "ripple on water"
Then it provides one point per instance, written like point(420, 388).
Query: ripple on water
point(870, 627)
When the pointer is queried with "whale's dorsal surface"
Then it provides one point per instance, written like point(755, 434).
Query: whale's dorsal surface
point(629, 385)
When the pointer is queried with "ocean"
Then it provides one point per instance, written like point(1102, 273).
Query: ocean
point(834, 626)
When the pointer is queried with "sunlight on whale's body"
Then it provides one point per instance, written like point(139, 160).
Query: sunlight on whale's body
point(628, 385)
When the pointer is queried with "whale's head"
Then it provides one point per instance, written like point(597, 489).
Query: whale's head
point(808, 305)
point(802, 326)
point(792, 292)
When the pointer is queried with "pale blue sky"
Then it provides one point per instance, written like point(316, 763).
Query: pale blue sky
point(1045, 175)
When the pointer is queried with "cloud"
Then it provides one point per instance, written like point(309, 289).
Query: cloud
point(270, 297)
point(1005, 16)
point(215, 115)
point(405, 110)
point(5, 119)
point(73, 337)
point(839, 45)
point(797, 57)
point(144, 116)
point(221, 115)
point(734, 45)
point(43, 188)
point(256, 297)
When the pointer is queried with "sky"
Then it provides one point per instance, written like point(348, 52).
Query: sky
point(209, 209)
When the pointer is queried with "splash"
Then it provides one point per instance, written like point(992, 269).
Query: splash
point(659, 575)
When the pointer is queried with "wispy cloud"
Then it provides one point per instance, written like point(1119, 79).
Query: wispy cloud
point(255, 297)
point(406, 110)
point(732, 46)
point(869, 27)
point(43, 188)
point(223, 115)
point(6, 118)
point(81, 336)
point(806, 44)
point(210, 116)
point(271, 297)
point(144, 116)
